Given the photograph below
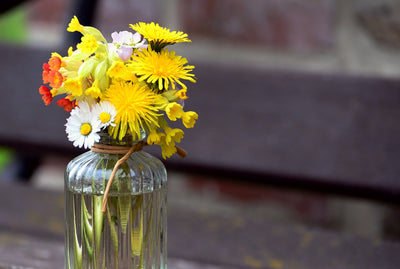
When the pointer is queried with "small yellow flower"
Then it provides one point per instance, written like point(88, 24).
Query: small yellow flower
point(93, 91)
point(70, 51)
point(73, 86)
point(173, 135)
point(181, 94)
point(118, 70)
point(167, 150)
point(155, 137)
point(189, 118)
point(88, 45)
point(174, 111)
point(74, 25)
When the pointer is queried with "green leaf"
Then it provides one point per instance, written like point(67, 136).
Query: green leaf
point(88, 244)
point(137, 232)
point(88, 227)
point(124, 205)
point(98, 220)
point(113, 232)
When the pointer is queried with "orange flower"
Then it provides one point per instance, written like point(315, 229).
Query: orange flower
point(47, 96)
point(45, 74)
point(50, 72)
point(55, 79)
point(55, 63)
point(66, 104)
point(46, 67)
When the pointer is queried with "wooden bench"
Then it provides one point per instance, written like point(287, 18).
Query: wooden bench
point(331, 133)
point(32, 228)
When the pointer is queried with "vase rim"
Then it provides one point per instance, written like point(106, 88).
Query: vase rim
point(128, 139)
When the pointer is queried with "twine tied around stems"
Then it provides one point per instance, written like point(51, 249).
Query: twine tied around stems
point(100, 148)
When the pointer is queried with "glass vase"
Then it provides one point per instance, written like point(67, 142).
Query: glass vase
point(132, 231)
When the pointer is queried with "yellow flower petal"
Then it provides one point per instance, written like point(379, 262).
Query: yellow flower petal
point(74, 25)
point(181, 94)
point(189, 118)
point(88, 45)
point(173, 135)
point(158, 36)
point(161, 69)
point(93, 91)
point(167, 150)
point(73, 86)
point(174, 111)
point(154, 137)
point(137, 108)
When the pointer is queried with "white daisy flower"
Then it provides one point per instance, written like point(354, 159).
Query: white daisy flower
point(82, 127)
point(105, 112)
point(82, 108)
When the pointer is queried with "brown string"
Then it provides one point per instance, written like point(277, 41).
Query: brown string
point(122, 150)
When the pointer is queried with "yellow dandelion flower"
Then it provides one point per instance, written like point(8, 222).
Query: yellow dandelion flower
point(161, 69)
point(73, 86)
point(88, 45)
point(174, 111)
point(189, 119)
point(74, 25)
point(158, 36)
point(137, 108)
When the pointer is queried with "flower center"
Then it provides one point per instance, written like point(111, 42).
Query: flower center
point(104, 117)
point(86, 128)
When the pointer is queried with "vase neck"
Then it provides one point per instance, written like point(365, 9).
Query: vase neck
point(127, 141)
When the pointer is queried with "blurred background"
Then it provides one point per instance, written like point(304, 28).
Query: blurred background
point(353, 43)
point(356, 36)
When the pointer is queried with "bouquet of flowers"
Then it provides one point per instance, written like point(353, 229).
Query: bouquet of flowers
point(129, 86)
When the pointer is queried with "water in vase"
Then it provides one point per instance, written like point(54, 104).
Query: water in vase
point(131, 234)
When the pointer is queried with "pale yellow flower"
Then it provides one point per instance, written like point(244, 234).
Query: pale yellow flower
point(88, 45)
point(167, 150)
point(74, 25)
point(93, 91)
point(174, 111)
point(173, 135)
point(118, 70)
point(181, 94)
point(189, 118)
point(154, 137)
point(73, 86)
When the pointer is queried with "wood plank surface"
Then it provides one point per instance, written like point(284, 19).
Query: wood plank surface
point(31, 226)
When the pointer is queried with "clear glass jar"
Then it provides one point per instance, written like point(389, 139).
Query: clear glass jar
point(132, 233)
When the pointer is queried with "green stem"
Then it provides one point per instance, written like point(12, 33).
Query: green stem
point(98, 220)
point(87, 225)
point(77, 248)
point(124, 200)
point(113, 233)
